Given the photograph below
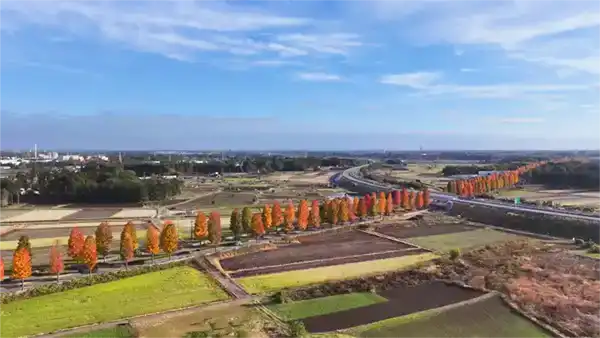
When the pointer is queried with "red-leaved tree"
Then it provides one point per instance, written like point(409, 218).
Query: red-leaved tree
point(396, 197)
point(426, 198)
point(90, 255)
point(419, 200)
point(362, 208)
point(56, 261)
point(1, 269)
point(75, 244)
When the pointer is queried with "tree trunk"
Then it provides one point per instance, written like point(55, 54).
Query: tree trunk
point(169, 257)
point(57, 277)
point(126, 265)
point(22, 284)
point(89, 271)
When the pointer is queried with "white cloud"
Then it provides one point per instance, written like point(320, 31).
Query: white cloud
point(417, 80)
point(320, 77)
point(522, 120)
point(562, 34)
point(429, 83)
point(183, 29)
point(468, 70)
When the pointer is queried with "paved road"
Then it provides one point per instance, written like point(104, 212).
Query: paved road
point(354, 175)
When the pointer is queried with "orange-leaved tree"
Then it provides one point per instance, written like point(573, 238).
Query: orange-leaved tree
point(419, 200)
point(323, 212)
point(21, 265)
point(169, 240)
point(389, 207)
point(235, 224)
point(126, 248)
point(411, 200)
point(334, 213)
point(56, 261)
point(90, 255)
point(152, 240)
point(130, 227)
point(405, 199)
point(315, 215)
point(266, 217)
point(396, 197)
point(258, 227)
point(276, 215)
point(355, 205)
point(200, 226)
point(426, 198)
point(289, 216)
point(303, 214)
point(75, 244)
point(214, 228)
point(104, 239)
point(381, 203)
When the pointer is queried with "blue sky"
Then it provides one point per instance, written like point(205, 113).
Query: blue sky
point(300, 74)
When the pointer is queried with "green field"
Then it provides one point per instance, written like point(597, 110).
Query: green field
point(462, 240)
point(148, 293)
point(282, 280)
point(121, 331)
point(486, 318)
point(324, 305)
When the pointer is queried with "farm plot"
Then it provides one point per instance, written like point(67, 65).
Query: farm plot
point(484, 318)
point(401, 301)
point(316, 247)
point(463, 240)
point(400, 231)
point(92, 213)
point(221, 199)
point(42, 215)
point(151, 292)
point(297, 278)
point(135, 213)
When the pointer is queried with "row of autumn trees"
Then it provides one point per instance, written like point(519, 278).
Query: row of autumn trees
point(86, 249)
point(334, 211)
point(483, 184)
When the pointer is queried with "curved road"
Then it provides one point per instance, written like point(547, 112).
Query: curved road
point(354, 175)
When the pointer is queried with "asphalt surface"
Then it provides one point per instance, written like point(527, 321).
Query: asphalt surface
point(354, 175)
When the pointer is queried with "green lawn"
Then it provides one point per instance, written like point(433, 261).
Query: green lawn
point(151, 292)
point(486, 318)
point(325, 305)
point(289, 279)
point(121, 331)
point(462, 240)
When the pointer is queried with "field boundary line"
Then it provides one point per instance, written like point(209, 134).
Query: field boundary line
point(319, 260)
point(271, 315)
point(393, 239)
point(514, 231)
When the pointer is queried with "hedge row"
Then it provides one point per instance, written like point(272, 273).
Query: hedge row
point(76, 283)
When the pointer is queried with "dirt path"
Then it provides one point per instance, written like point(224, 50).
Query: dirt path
point(230, 286)
point(197, 197)
point(393, 239)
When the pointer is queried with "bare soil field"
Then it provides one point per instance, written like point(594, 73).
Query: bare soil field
point(412, 230)
point(220, 199)
point(8, 213)
point(328, 262)
point(301, 178)
point(41, 215)
point(92, 213)
point(320, 246)
point(62, 232)
point(401, 301)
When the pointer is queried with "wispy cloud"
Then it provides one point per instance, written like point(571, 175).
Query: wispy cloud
point(521, 120)
point(182, 30)
point(320, 77)
point(469, 70)
point(429, 83)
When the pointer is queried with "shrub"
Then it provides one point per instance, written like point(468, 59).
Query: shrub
point(281, 297)
point(594, 249)
point(454, 253)
point(297, 329)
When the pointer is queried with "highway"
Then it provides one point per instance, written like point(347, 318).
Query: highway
point(354, 175)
